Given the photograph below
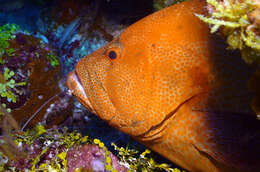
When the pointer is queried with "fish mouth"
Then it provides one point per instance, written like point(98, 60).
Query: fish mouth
point(75, 86)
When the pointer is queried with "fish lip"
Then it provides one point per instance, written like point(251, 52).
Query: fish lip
point(77, 78)
point(76, 88)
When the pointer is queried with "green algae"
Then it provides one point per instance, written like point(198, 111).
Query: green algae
point(238, 21)
point(130, 158)
point(8, 86)
point(53, 59)
point(137, 161)
point(7, 32)
point(7, 83)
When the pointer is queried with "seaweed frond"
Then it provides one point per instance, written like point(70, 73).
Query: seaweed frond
point(239, 21)
point(136, 161)
point(7, 32)
point(8, 86)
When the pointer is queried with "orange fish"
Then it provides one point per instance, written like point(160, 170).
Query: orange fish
point(172, 86)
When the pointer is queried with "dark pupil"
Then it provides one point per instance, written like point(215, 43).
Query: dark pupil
point(112, 54)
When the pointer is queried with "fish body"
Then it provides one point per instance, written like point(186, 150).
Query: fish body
point(172, 86)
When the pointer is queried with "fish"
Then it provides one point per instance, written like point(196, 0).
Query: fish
point(174, 87)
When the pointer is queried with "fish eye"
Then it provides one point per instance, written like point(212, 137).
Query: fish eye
point(113, 53)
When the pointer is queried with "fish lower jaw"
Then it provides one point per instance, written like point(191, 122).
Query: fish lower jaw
point(76, 88)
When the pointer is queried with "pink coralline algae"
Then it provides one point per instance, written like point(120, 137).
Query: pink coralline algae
point(91, 157)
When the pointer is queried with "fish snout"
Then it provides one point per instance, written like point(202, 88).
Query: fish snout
point(75, 86)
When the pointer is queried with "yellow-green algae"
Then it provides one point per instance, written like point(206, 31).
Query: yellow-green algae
point(239, 21)
point(131, 158)
point(136, 161)
point(7, 83)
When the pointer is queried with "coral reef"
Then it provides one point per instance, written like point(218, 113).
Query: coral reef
point(239, 22)
point(30, 75)
point(12, 86)
point(60, 150)
point(92, 157)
